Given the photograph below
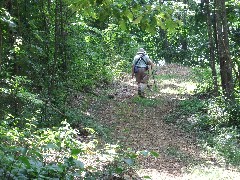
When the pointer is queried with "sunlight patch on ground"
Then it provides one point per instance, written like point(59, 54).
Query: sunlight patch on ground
point(211, 172)
point(155, 174)
point(173, 87)
point(189, 86)
point(169, 91)
point(195, 173)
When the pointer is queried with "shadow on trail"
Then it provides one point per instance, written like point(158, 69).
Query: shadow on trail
point(139, 123)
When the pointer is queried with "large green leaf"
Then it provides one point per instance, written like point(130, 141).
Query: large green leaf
point(171, 25)
point(123, 25)
point(137, 20)
point(129, 161)
point(25, 161)
point(155, 154)
point(79, 164)
point(75, 152)
point(129, 14)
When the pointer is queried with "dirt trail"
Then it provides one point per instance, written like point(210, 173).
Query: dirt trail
point(139, 124)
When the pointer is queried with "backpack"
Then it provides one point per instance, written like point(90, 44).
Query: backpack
point(136, 67)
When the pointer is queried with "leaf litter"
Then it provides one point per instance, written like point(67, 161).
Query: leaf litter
point(139, 124)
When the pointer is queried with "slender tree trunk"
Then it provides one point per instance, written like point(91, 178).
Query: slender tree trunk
point(1, 46)
point(11, 36)
point(165, 44)
point(238, 76)
point(183, 37)
point(63, 40)
point(53, 68)
point(211, 48)
point(223, 49)
point(56, 35)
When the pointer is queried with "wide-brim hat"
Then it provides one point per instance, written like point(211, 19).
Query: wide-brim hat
point(141, 50)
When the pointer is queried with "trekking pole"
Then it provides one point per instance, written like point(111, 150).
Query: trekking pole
point(153, 76)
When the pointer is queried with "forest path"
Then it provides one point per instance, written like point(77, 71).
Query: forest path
point(139, 123)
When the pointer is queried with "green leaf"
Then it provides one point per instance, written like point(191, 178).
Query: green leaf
point(23, 151)
point(25, 161)
point(155, 154)
point(75, 152)
point(151, 29)
point(171, 25)
point(160, 23)
point(129, 15)
point(133, 155)
point(119, 170)
point(39, 155)
point(122, 25)
point(129, 161)
point(147, 177)
point(79, 164)
point(51, 146)
point(137, 20)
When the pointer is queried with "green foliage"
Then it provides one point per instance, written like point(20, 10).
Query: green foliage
point(215, 124)
point(204, 78)
point(146, 102)
point(6, 18)
point(29, 152)
point(190, 106)
point(225, 143)
point(17, 99)
point(229, 147)
point(51, 49)
point(233, 110)
point(78, 119)
point(187, 113)
point(59, 152)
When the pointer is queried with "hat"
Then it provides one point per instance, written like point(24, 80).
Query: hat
point(141, 50)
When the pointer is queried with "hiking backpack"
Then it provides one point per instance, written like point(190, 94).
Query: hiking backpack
point(136, 67)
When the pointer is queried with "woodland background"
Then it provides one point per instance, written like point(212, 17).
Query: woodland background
point(50, 50)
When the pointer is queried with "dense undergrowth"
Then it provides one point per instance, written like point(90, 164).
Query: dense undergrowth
point(71, 148)
point(60, 152)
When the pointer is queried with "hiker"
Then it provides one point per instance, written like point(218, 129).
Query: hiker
point(140, 65)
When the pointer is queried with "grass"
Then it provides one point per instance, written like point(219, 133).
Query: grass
point(147, 102)
point(167, 76)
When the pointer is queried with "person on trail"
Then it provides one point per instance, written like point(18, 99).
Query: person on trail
point(140, 65)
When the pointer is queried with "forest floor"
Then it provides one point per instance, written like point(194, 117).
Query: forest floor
point(140, 124)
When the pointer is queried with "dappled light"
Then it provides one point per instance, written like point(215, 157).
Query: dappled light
point(119, 89)
point(173, 87)
point(139, 123)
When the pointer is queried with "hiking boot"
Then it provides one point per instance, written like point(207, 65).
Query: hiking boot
point(139, 92)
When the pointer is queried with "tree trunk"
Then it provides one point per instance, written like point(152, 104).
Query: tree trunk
point(183, 37)
point(223, 49)
point(211, 49)
point(1, 46)
point(238, 76)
